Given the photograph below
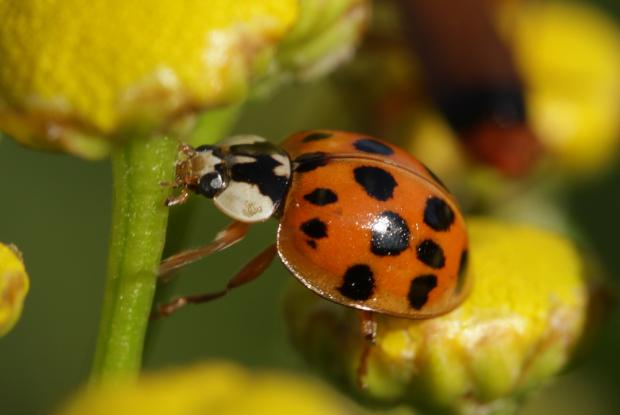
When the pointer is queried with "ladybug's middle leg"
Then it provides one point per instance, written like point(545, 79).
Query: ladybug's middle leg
point(368, 329)
point(227, 237)
point(248, 273)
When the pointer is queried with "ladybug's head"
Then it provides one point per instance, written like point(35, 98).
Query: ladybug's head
point(209, 175)
point(246, 176)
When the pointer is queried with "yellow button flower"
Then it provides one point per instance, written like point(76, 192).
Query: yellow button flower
point(74, 76)
point(518, 328)
point(13, 286)
point(73, 73)
point(213, 388)
point(570, 57)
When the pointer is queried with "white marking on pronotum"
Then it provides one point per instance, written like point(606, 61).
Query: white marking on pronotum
point(209, 161)
point(244, 160)
point(244, 202)
point(284, 169)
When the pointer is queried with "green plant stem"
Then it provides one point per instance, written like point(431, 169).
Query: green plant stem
point(137, 240)
point(138, 234)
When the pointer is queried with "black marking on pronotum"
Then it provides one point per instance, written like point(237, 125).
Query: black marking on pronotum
point(378, 183)
point(420, 287)
point(311, 243)
point(438, 214)
point(358, 283)
point(368, 145)
point(315, 137)
point(462, 274)
point(321, 196)
point(435, 177)
point(261, 173)
point(431, 254)
point(255, 149)
point(390, 234)
point(310, 161)
point(204, 147)
point(314, 228)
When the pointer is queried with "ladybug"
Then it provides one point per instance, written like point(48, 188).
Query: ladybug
point(361, 222)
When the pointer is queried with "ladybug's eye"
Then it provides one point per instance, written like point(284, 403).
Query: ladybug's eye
point(211, 184)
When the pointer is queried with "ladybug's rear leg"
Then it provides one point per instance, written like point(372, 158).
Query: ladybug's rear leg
point(248, 273)
point(227, 237)
point(368, 329)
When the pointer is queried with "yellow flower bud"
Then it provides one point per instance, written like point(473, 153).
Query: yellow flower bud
point(519, 327)
point(75, 75)
point(213, 388)
point(14, 285)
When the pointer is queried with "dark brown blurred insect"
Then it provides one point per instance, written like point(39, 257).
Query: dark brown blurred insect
point(473, 80)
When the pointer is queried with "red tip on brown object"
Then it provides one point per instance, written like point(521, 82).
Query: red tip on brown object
point(513, 150)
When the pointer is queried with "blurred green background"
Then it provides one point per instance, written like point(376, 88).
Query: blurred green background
point(57, 210)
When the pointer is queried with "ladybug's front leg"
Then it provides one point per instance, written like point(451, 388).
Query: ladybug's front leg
point(368, 329)
point(178, 199)
point(248, 273)
point(232, 234)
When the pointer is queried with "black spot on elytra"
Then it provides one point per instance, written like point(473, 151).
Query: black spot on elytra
point(420, 287)
point(462, 274)
point(438, 214)
point(390, 234)
point(435, 177)
point(368, 145)
point(431, 254)
point(315, 137)
point(314, 228)
point(311, 243)
point(377, 183)
point(321, 196)
point(310, 161)
point(358, 283)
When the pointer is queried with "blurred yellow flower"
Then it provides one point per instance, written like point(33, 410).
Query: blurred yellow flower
point(432, 140)
point(211, 388)
point(14, 285)
point(518, 328)
point(73, 73)
point(75, 77)
point(569, 53)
